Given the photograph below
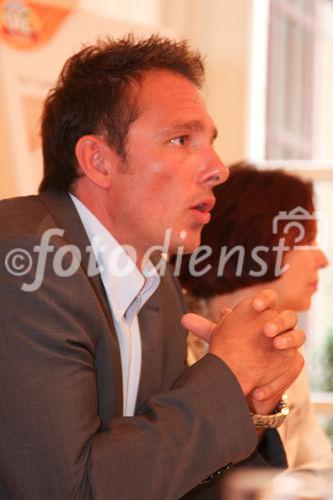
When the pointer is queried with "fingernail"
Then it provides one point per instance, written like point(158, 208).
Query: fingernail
point(259, 304)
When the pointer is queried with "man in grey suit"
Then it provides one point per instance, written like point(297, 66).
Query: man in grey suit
point(96, 400)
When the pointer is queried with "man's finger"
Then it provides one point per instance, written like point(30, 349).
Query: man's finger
point(281, 383)
point(289, 340)
point(266, 299)
point(284, 321)
point(201, 327)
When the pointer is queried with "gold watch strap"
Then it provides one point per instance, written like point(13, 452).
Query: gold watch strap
point(275, 419)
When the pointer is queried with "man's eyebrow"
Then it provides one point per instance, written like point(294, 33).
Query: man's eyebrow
point(192, 126)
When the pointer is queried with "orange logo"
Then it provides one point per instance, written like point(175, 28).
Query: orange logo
point(26, 24)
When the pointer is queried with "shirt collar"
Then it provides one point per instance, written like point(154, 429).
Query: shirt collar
point(127, 288)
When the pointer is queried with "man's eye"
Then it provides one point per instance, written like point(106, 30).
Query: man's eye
point(182, 140)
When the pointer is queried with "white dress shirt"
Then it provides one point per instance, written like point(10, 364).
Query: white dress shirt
point(127, 290)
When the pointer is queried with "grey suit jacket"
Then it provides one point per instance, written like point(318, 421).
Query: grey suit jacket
point(62, 433)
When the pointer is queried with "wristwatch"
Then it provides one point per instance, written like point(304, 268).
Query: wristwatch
point(275, 419)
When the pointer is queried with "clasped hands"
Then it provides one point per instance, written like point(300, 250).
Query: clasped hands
point(258, 344)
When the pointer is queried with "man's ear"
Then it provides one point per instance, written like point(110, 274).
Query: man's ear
point(95, 157)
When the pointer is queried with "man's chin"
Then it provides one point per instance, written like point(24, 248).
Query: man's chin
point(186, 241)
point(189, 246)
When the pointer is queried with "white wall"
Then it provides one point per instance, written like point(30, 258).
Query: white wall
point(133, 11)
point(324, 94)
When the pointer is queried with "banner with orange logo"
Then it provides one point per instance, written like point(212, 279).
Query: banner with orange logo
point(27, 24)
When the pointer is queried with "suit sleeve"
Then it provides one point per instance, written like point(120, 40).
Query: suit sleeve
point(52, 442)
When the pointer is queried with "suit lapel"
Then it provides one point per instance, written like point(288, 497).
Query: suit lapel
point(62, 210)
point(152, 350)
point(64, 213)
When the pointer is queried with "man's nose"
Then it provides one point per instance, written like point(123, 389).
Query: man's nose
point(214, 173)
point(321, 259)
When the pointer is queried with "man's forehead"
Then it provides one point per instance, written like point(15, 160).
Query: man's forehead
point(192, 126)
point(171, 84)
point(180, 103)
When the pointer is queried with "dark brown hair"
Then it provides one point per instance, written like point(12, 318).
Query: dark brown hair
point(246, 205)
point(92, 96)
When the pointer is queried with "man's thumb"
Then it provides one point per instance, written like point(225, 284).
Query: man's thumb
point(199, 326)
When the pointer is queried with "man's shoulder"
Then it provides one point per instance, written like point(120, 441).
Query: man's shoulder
point(20, 215)
point(18, 201)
